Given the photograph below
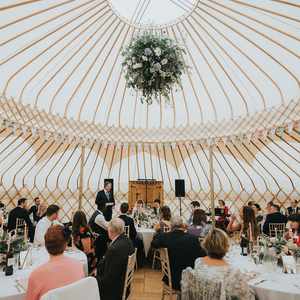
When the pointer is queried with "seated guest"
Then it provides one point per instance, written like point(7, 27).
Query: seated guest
point(128, 220)
point(112, 270)
point(138, 209)
point(99, 225)
point(137, 242)
point(294, 227)
point(269, 207)
point(223, 206)
point(216, 245)
point(194, 205)
point(249, 227)
point(199, 227)
point(34, 209)
point(214, 273)
point(20, 212)
point(183, 249)
point(83, 238)
point(165, 217)
point(2, 206)
point(58, 271)
point(275, 216)
point(156, 207)
point(293, 209)
point(42, 226)
point(258, 215)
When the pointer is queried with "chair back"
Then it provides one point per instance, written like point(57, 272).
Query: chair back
point(129, 274)
point(166, 229)
point(276, 229)
point(21, 228)
point(86, 288)
point(165, 266)
point(126, 231)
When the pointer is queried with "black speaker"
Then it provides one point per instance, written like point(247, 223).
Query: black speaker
point(112, 183)
point(179, 188)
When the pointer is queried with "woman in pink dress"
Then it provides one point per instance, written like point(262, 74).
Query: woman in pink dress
point(58, 271)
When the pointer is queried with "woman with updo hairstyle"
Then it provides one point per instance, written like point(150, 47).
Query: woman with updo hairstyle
point(59, 271)
point(215, 277)
point(216, 244)
point(165, 220)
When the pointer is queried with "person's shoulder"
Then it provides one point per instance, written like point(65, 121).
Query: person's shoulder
point(71, 262)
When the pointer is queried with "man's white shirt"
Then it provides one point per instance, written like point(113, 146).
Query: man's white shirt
point(41, 229)
point(100, 220)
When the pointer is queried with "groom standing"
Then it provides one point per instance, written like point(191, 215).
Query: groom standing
point(107, 197)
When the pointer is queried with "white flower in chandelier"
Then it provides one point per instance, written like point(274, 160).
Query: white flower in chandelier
point(162, 74)
point(137, 66)
point(157, 51)
point(148, 51)
point(164, 61)
point(129, 62)
point(157, 66)
point(144, 58)
point(152, 70)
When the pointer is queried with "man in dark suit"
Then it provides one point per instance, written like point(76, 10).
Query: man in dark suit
point(128, 221)
point(156, 207)
point(275, 216)
point(183, 249)
point(112, 269)
point(137, 242)
point(20, 212)
point(34, 209)
point(293, 209)
point(106, 196)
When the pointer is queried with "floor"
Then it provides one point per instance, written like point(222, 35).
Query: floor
point(147, 285)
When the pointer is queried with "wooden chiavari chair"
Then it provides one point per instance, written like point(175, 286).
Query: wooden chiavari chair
point(276, 229)
point(166, 273)
point(129, 274)
point(156, 254)
point(126, 231)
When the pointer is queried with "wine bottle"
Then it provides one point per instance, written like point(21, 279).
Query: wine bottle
point(9, 265)
point(244, 245)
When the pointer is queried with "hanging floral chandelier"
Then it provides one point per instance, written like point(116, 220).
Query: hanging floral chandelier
point(153, 65)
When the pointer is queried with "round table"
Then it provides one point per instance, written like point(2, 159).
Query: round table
point(14, 287)
point(268, 285)
point(146, 234)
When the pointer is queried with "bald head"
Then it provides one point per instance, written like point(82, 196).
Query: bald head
point(115, 228)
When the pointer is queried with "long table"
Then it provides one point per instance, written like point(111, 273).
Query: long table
point(14, 287)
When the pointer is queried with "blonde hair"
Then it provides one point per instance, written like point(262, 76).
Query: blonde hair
point(216, 243)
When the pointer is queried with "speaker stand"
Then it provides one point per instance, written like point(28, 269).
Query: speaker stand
point(180, 207)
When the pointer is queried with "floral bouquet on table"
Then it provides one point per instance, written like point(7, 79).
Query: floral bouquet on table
point(153, 64)
point(145, 218)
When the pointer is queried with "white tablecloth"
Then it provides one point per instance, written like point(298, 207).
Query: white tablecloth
point(146, 234)
point(268, 285)
point(8, 284)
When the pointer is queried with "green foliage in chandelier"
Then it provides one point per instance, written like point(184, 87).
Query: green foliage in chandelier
point(153, 65)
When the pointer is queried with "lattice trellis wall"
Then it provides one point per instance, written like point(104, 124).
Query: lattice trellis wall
point(258, 170)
